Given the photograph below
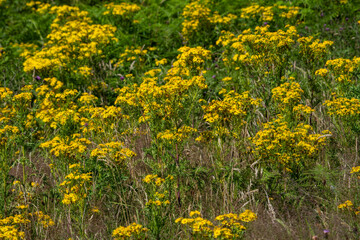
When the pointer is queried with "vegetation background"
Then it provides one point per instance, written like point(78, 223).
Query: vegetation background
point(166, 119)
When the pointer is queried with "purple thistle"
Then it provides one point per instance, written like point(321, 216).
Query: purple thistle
point(326, 233)
point(38, 78)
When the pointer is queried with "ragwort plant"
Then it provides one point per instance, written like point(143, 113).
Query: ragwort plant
point(286, 144)
point(160, 199)
point(231, 226)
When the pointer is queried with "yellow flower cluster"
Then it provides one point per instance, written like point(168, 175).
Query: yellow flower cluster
point(158, 197)
point(23, 97)
point(285, 147)
point(165, 101)
point(98, 119)
point(112, 151)
point(8, 133)
point(133, 230)
point(125, 10)
point(67, 146)
point(355, 169)
point(72, 38)
point(234, 105)
point(287, 95)
point(280, 143)
point(38, 6)
point(152, 72)
point(342, 106)
point(5, 93)
point(344, 69)
point(288, 11)
point(257, 49)
point(154, 179)
point(56, 109)
point(314, 50)
point(347, 204)
point(10, 227)
point(84, 71)
point(198, 17)
point(42, 218)
point(56, 85)
point(340, 65)
point(103, 113)
point(302, 110)
point(176, 135)
point(160, 62)
point(75, 185)
point(287, 98)
point(87, 98)
point(230, 226)
point(6, 114)
point(191, 59)
point(266, 14)
point(134, 55)
point(323, 72)
point(27, 49)
point(200, 226)
point(177, 89)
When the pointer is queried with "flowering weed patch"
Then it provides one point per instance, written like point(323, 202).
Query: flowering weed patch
point(126, 119)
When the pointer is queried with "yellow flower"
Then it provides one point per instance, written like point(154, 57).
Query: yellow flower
point(321, 72)
point(283, 146)
point(227, 79)
point(149, 178)
point(123, 9)
point(34, 184)
point(287, 94)
point(247, 216)
point(133, 230)
point(347, 204)
point(95, 210)
point(343, 107)
point(195, 213)
point(22, 206)
point(355, 169)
